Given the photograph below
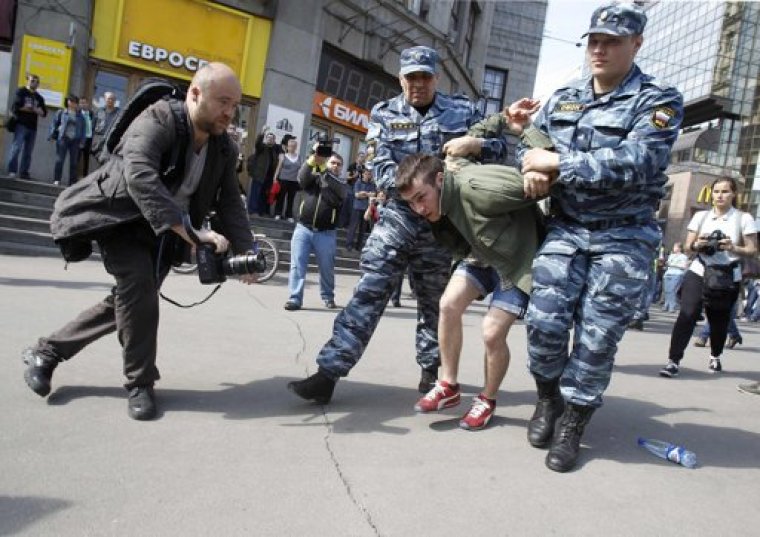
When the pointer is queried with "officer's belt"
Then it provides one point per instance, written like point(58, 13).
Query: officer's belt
point(608, 224)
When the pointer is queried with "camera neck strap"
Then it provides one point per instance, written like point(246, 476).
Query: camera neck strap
point(194, 237)
point(175, 303)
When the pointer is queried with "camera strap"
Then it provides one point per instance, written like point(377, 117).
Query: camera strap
point(175, 303)
point(191, 232)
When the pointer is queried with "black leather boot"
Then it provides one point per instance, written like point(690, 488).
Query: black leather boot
point(318, 388)
point(563, 454)
point(40, 371)
point(427, 379)
point(549, 408)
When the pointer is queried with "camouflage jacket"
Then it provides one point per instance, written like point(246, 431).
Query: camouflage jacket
point(398, 130)
point(613, 150)
point(490, 216)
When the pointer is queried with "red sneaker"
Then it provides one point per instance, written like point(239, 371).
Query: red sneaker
point(479, 415)
point(443, 395)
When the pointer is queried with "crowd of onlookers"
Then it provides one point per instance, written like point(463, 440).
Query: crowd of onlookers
point(272, 169)
point(667, 277)
point(76, 130)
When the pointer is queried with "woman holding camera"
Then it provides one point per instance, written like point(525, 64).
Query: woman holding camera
point(719, 237)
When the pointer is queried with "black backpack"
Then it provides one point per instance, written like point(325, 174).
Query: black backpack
point(79, 247)
point(150, 91)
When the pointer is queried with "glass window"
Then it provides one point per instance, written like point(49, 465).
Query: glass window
point(113, 82)
point(343, 148)
point(494, 84)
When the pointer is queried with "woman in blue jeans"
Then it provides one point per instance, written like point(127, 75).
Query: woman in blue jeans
point(68, 131)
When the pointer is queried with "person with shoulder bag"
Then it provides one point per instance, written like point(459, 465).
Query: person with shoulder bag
point(719, 237)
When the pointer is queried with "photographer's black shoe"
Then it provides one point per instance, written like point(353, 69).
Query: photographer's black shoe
point(40, 371)
point(318, 388)
point(330, 304)
point(142, 403)
point(427, 380)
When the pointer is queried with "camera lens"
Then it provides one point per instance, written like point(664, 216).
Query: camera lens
point(243, 264)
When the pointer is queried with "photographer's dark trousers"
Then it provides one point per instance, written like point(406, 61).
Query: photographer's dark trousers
point(718, 314)
point(131, 310)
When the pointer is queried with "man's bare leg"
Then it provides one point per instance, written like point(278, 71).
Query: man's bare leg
point(458, 295)
point(496, 325)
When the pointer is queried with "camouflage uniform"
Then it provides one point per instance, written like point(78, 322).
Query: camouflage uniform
point(401, 237)
point(602, 238)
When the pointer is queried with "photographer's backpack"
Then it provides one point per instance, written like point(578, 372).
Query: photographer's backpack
point(150, 91)
point(76, 245)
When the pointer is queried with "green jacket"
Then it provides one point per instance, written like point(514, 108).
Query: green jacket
point(486, 215)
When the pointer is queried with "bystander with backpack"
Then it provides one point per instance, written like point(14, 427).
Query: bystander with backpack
point(171, 162)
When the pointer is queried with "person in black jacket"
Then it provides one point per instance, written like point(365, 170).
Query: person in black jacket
point(315, 231)
point(139, 216)
point(27, 106)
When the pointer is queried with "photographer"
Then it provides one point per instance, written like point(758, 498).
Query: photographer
point(315, 231)
point(134, 225)
point(719, 237)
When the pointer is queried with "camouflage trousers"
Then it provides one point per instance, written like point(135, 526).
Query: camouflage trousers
point(590, 281)
point(399, 239)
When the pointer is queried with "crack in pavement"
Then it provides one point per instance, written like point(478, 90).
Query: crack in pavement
point(349, 491)
point(328, 445)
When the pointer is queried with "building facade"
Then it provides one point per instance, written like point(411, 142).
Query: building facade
point(711, 52)
point(308, 68)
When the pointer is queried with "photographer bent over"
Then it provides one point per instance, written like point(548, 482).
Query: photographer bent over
point(134, 226)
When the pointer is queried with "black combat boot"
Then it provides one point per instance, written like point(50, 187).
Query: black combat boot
point(318, 388)
point(40, 371)
point(563, 454)
point(549, 408)
point(427, 379)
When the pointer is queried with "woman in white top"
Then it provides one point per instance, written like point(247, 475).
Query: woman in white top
point(739, 230)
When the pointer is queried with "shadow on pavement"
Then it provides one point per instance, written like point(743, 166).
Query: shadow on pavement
point(27, 282)
point(615, 428)
point(691, 369)
point(19, 512)
point(359, 407)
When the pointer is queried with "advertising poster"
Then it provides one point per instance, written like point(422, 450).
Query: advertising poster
point(51, 61)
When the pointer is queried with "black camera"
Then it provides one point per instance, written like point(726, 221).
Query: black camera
point(325, 146)
point(713, 243)
point(214, 268)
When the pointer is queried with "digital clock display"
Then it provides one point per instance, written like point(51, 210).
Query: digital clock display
point(344, 77)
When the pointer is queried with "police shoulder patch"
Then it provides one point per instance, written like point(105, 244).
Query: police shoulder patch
point(661, 117)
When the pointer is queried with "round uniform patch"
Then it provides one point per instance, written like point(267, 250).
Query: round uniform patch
point(661, 117)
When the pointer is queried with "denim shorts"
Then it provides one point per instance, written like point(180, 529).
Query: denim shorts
point(487, 281)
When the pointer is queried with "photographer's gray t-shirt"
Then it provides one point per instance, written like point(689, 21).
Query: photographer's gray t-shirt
point(193, 171)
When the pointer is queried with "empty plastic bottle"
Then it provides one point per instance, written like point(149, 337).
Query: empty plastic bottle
point(670, 452)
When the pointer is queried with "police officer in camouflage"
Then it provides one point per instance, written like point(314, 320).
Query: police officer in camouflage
point(612, 134)
point(420, 120)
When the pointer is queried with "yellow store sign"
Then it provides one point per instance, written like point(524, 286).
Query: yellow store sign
point(51, 61)
point(176, 37)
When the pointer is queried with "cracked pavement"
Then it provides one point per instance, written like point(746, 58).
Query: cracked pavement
point(235, 453)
